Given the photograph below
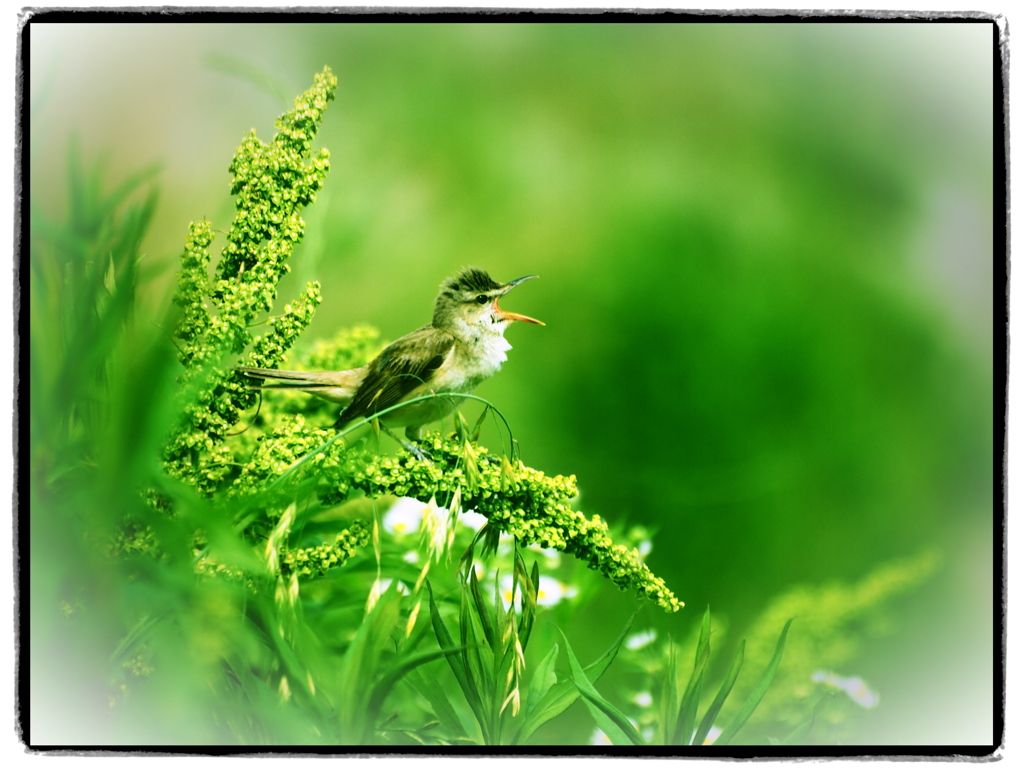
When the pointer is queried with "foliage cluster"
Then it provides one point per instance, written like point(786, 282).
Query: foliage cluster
point(211, 561)
point(272, 182)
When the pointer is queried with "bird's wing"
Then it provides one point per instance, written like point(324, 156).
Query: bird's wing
point(401, 367)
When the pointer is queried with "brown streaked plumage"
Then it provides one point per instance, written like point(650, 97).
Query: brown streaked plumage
point(463, 345)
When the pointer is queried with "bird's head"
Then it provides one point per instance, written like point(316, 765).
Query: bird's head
point(471, 299)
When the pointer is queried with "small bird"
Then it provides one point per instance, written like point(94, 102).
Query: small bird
point(463, 345)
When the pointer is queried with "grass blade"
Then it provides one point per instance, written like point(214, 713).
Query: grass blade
point(729, 732)
point(482, 609)
point(527, 585)
point(614, 724)
point(669, 708)
point(430, 689)
point(478, 668)
point(802, 731)
point(723, 693)
point(688, 708)
point(396, 673)
point(562, 695)
point(455, 660)
point(362, 662)
point(544, 678)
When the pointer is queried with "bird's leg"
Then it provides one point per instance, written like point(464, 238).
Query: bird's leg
point(409, 445)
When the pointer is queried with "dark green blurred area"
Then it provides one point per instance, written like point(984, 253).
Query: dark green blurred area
point(765, 256)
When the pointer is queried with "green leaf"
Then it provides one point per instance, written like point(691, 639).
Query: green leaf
point(430, 689)
point(610, 720)
point(491, 537)
point(129, 642)
point(455, 660)
point(723, 693)
point(529, 586)
point(361, 665)
point(294, 670)
point(396, 673)
point(543, 680)
point(802, 731)
point(688, 708)
point(482, 609)
point(757, 694)
point(669, 707)
point(478, 668)
point(561, 696)
point(475, 437)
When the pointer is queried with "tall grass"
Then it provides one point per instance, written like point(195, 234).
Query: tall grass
point(205, 573)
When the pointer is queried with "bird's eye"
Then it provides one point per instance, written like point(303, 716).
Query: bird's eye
point(481, 299)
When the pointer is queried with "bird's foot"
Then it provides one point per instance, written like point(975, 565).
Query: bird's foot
point(416, 451)
point(409, 445)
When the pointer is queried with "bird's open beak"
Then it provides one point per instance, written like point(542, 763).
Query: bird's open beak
point(512, 315)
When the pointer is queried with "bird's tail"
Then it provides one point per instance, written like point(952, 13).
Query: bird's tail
point(336, 386)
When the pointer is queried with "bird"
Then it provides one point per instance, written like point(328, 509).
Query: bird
point(463, 345)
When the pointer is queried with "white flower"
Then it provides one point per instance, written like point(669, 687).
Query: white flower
point(713, 733)
point(472, 519)
point(408, 515)
point(640, 639)
point(380, 586)
point(643, 699)
point(855, 687)
point(404, 516)
point(550, 591)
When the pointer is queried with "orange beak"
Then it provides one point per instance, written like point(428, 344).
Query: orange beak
point(513, 315)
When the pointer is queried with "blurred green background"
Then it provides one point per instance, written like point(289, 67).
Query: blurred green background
point(766, 271)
